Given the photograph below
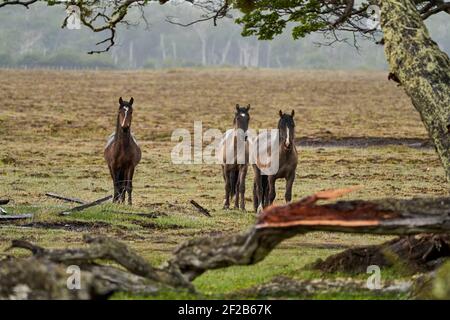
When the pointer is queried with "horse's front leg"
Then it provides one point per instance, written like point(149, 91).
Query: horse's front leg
point(129, 184)
point(242, 176)
point(115, 176)
point(111, 172)
point(123, 191)
point(226, 202)
point(121, 184)
point(257, 190)
point(289, 184)
point(255, 196)
point(272, 193)
point(236, 188)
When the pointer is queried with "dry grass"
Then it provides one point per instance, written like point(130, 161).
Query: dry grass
point(53, 127)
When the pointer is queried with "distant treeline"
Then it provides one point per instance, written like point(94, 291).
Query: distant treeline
point(70, 60)
point(58, 60)
point(33, 39)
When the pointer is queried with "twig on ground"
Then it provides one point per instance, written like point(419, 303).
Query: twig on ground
point(16, 216)
point(59, 197)
point(200, 208)
point(85, 206)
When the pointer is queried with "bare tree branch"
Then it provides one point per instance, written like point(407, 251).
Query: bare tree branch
point(25, 4)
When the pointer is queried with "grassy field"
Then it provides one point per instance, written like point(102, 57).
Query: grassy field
point(353, 129)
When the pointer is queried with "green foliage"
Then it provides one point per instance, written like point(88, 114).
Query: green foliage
point(245, 6)
point(268, 19)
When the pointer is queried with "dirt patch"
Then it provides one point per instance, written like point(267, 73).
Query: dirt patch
point(364, 142)
point(77, 226)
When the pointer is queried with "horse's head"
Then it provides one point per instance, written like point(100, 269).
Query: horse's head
point(125, 114)
point(242, 117)
point(286, 127)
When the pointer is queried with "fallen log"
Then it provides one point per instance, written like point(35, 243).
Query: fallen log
point(384, 216)
point(85, 206)
point(278, 223)
point(59, 197)
point(200, 208)
point(4, 201)
point(104, 248)
point(413, 254)
point(275, 224)
point(16, 216)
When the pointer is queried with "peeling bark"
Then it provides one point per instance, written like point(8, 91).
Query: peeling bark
point(422, 69)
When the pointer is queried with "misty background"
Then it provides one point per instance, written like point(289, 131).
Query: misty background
point(34, 38)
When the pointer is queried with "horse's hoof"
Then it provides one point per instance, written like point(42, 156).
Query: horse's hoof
point(226, 208)
point(260, 209)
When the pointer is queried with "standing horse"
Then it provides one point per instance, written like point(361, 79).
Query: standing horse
point(122, 154)
point(233, 154)
point(264, 185)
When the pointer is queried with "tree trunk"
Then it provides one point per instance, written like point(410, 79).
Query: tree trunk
point(422, 69)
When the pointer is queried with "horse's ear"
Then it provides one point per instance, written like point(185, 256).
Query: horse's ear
point(237, 106)
point(292, 113)
point(281, 113)
point(131, 100)
point(120, 101)
point(248, 107)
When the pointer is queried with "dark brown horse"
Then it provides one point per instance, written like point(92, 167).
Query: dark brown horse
point(233, 153)
point(264, 185)
point(122, 154)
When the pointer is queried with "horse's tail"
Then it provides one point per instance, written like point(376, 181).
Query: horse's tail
point(233, 176)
